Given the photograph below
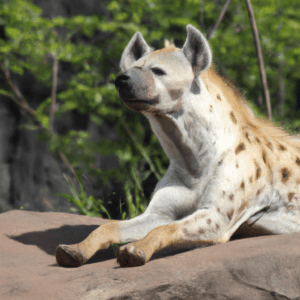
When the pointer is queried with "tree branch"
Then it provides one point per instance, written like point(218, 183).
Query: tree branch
point(259, 58)
point(20, 100)
point(67, 164)
point(53, 93)
point(212, 32)
point(202, 15)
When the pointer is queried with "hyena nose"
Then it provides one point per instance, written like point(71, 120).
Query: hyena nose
point(122, 80)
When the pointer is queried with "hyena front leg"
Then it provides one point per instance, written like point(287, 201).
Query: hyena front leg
point(204, 227)
point(161, 210)
point(105, 235)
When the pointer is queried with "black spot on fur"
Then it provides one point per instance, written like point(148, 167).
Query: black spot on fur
point(242, 185)
point(285, 174)
point(230, 214)
point(232, 117)
point(264, 156)
point(290, 196)
point(242, 207)
point(219, 97)
point(281, 147)
point(251, 125)
point(269, 145)
point(258, 170)
point(201, 231)
point(247, 137)
point(240, 148)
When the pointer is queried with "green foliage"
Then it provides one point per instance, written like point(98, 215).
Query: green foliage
point(87, 206)
point(279, 31)
point(91, 47)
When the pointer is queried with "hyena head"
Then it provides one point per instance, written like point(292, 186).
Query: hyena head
point(158, 81)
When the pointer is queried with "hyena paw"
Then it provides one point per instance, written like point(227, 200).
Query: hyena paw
point(69, 256)
point(130, 256)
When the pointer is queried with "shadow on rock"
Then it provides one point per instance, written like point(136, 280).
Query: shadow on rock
point(49, 239)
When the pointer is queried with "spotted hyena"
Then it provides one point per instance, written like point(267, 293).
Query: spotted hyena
point(228, 169)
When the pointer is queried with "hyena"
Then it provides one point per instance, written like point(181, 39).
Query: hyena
point(228, 169)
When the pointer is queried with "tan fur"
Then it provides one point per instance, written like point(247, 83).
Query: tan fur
point(99, 239)
point(168, 43)
point(216, 84)
point(167, 49)
point(162, 237)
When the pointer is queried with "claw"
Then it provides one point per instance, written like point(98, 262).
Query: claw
point(129, 256)
point(69, 256)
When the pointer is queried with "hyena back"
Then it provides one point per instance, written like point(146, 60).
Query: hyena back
point(227, 167)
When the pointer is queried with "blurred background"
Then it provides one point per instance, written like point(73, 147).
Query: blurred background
point(67, 143)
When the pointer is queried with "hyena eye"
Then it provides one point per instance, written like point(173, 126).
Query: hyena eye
point(158, 71)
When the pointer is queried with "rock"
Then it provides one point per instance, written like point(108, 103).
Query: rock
point(255, 268)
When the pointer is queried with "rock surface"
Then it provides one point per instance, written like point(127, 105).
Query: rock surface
point(256, 268)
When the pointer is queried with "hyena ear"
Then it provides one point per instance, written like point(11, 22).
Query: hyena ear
point(197, 50)
point(136, 48)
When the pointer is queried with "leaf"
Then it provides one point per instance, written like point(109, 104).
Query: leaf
point(113, 5)
point(12, 32)
point(16, 69)
point(5, 48)
point(58, 21)
point(30, 127)
point(6, 93)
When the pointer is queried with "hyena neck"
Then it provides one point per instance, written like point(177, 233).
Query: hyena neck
point(195, 138)
point(175, 141)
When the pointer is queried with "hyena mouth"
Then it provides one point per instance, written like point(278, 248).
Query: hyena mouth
point(127, 97)
point(150, 101)
point(137, 101)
